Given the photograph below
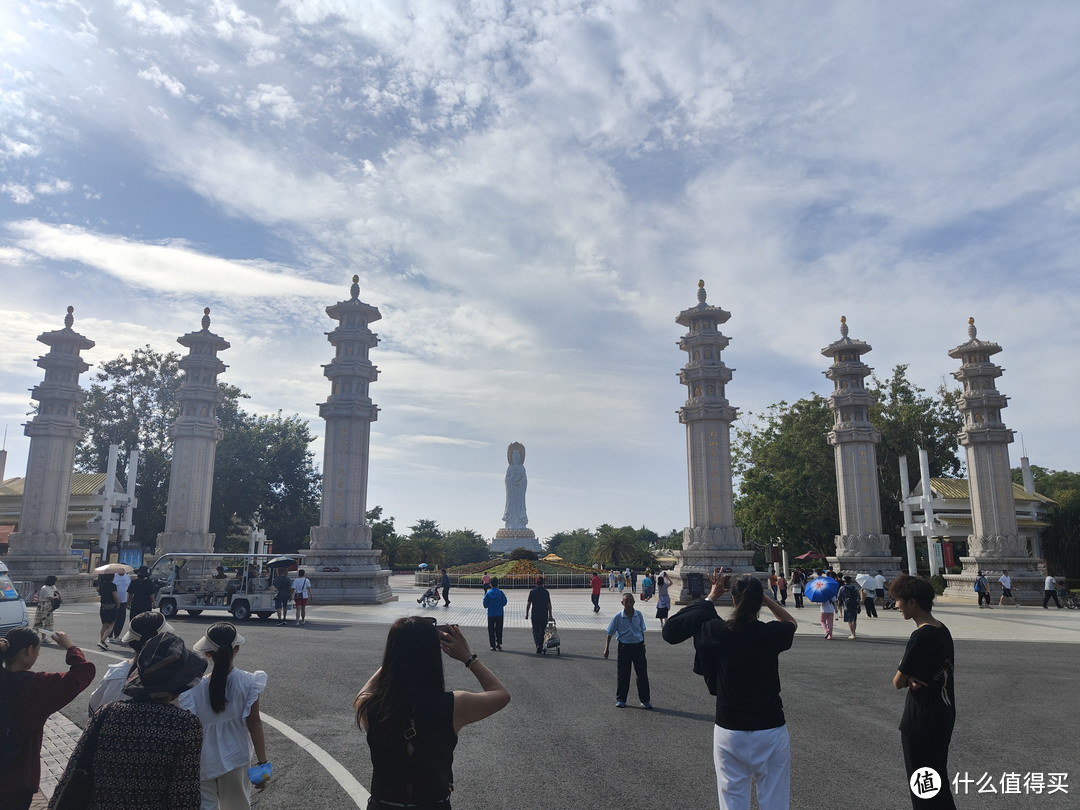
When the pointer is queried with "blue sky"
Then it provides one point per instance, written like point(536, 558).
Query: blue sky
point(529, 192)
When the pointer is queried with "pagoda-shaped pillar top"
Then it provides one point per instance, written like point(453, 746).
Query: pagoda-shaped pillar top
point(975, 351)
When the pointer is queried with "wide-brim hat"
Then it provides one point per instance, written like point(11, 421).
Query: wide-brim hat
point(145, 625)
point(164, 668)
point(208, 645)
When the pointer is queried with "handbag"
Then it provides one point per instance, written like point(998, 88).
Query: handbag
point(74, 793)
point(56, 600)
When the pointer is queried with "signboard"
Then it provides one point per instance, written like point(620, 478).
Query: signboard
point(695, 584)
point(935, 548)
point(131, 556)
point(950, 554)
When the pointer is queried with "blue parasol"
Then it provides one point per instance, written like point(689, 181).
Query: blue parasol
point(422, 565)
point(821, 589)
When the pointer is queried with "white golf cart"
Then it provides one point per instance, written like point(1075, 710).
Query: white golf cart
point(195, 582)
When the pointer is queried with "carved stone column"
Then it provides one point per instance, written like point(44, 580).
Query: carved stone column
point(42, 546)
point(342, 563)
point(195, 434)
point(860, 547)
point(995, 542)
point(712, 539)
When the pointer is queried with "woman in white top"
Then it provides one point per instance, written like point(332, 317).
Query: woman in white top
point(301, 594)
point(44, 613)
point(227, 703)
point(141, 629)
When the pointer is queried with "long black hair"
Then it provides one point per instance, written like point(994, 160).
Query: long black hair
point(224, 635)
point(411, 675)
point(16, 640)
point(748, 595)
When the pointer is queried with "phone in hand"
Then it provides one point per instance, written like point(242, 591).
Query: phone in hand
point(444, 628)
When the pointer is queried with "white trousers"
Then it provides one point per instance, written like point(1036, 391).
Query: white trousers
point(230, 791)
point(762, 755)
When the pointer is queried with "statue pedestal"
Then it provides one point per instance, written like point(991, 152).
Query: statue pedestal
point(703, 561)
point(1027, 579)
point(508, 539)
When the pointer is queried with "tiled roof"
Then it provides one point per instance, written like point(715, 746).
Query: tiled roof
point(81, 484)
point(957, 489)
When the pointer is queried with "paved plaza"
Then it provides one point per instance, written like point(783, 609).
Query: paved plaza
point(561, 742)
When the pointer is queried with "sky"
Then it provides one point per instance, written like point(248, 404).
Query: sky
point(529, 193)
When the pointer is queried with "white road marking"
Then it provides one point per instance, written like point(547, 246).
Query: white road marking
point(353, 789)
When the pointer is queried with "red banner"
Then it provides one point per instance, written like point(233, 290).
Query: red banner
point(950, 555)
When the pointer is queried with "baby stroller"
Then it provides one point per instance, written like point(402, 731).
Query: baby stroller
point(430, 598)
point(551, 639)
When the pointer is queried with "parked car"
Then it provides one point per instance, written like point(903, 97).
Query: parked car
point(12, 605)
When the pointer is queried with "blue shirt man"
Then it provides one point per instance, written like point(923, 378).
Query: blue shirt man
point(629, 626)
point(495, 601)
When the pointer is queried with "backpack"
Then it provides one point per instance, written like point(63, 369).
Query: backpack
point(849, 595)
point(9, 734)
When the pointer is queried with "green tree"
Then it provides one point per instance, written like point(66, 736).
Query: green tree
point(620, 546)
point(465, 546)
point(909, 419)
point(427, 540)
point(787, 487)
point(265, 474)
point(1061, 538)
point(263, 469)
point(383, 536)
point(573, 546)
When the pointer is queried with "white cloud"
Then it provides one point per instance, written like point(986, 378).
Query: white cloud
point(155, 76)
point(18, 193)
point(277, 99)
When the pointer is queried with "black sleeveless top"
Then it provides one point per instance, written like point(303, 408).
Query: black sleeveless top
point(415, 765)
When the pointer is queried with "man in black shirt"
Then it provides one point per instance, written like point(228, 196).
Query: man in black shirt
point(540, 605)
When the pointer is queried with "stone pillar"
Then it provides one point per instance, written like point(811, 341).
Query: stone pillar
point(995, 543)
point(42, 546)
point(712, 539)
point(195, 435)
point(860, 547)
point(342, 563)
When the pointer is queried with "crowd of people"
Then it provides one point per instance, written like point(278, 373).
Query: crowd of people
point(162, 733)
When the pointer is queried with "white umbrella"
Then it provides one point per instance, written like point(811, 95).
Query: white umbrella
point(114, 568)
point(866, 582)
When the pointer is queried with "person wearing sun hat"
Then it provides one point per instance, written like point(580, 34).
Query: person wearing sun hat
point(227, 703)
point(144, 752)
point(141, 627)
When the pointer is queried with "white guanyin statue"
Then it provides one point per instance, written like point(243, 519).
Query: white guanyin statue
point(514, 516)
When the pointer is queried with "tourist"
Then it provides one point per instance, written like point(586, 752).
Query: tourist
point(445, 583)
point(663, 598)
point(406, 698)
point(146, 752)
point(629, 626)
point(282, 586)
point(141, 593)
point(48, 601)
point(739, 659)
point(1050, 591)
point(828, 611)
point(485, 580)
point(495, 602)
point(227, 703)
point(646, 586)
point(597, 584)
point(926, 671)
point(141, 628)
point(782, 584)
point(611, 580)
point(774, 583)
point(301, 594)
point(848, 598)
point(33, 696)
point(121, 581)
point(982, 588)
point(108, 608)
point(879, 592)
point(1006, 586)
point(868, 600)
point(798, 580)
point(539, 603)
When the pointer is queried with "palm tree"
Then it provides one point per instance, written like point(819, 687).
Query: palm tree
point(615, 547)
point(430, 549)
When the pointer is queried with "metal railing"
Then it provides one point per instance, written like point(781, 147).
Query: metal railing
point(574, 579)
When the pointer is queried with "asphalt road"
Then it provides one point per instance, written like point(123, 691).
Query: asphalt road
point(562, 743)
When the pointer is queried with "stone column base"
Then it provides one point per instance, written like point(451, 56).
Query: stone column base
point(703, 561)
point(38, 566)
point(851, 565)
point(1028, 576)
point(509, 539)
point(348, 576)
